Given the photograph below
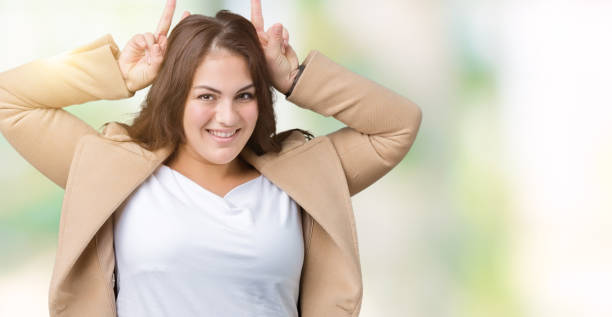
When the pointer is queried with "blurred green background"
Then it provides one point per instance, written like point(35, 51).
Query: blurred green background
point(502, 206)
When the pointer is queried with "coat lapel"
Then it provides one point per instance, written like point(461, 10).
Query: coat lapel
point(102, 176)
point(312, 175)
point(105, 173)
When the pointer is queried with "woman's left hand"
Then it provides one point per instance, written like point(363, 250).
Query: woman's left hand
point(281, 58)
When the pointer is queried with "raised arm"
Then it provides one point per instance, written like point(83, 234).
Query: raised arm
point(32, 95)
point(381, 124)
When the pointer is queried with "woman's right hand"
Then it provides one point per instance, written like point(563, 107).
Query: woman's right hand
point(143, 55)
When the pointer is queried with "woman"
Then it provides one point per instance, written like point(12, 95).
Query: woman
point(198, 207)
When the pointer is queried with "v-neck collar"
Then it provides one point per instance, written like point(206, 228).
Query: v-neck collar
point(199, 187)
point(94, 186)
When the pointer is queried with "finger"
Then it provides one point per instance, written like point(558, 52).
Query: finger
point(275, 39)
point(139, 41)
point(156, 55)
point(163, 43)
point(166, 19)
point(150, 39)
point(263, 38)
point(185, 14)
point(292, 57)
point(256, 15)
point(156, 61)
point(285, 39)
point(134, 49)
point(285, 35)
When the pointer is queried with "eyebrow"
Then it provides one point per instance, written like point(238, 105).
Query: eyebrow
point(219, 92)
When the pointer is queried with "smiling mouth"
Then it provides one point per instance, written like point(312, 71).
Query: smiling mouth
point(222, 135)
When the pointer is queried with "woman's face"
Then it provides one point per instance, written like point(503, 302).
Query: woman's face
point(221, 108)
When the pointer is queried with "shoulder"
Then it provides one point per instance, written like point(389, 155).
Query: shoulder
point(295, 139)
point(116, 134)
point(115, 131)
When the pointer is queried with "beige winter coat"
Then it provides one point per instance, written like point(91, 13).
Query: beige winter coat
point(99, 173)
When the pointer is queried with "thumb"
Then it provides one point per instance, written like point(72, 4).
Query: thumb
point(157, 56)
point(163, 43)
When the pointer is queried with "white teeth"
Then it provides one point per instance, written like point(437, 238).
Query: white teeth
point(222, 134)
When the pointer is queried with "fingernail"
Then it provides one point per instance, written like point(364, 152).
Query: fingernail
point(156, 49)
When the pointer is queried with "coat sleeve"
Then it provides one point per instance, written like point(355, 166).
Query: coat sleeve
point(381, 125)
point(32, 96)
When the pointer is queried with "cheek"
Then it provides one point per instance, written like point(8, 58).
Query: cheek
point(250, 114)
point(195, 117)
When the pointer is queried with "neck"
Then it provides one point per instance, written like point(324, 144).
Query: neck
point(193, 166)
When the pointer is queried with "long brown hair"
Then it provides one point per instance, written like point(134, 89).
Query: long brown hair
point(160, 122)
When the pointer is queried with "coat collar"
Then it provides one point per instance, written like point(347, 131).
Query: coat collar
point(105, 172)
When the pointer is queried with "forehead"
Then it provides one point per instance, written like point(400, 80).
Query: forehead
point(222, 69)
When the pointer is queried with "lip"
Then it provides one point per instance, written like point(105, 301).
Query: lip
point(224, 131)
point(222, 140)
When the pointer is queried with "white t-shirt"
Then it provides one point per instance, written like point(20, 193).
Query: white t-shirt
point(182, 250)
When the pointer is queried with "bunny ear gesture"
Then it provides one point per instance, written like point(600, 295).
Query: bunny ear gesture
point(257, 16)
point(281, 58)
point(143, 55)
point(166, 19)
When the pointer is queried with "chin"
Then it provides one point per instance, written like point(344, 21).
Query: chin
point(214, 154)
point(223, 161)
point(220, 158)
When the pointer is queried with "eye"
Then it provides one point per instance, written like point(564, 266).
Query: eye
point(246, 96)
point(206, 97)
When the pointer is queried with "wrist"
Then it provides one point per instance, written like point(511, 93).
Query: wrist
point(125, 77)
point(294, 77)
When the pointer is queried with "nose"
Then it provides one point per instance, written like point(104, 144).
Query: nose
point(225, 113)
